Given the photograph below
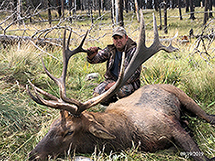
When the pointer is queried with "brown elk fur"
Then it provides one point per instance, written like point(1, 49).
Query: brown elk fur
point(150, 117)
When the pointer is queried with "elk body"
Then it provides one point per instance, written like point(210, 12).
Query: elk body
point(150, 117)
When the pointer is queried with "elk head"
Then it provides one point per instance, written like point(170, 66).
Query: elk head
point(73, 126)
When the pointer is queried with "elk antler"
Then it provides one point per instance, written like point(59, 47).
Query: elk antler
point(143, 53)
point(73, 106)
point(67, 53)
point(54, 102)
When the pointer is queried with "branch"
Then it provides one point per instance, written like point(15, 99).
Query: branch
point(10, 39)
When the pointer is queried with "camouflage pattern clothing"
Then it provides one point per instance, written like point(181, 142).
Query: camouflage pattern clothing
point(108, 54)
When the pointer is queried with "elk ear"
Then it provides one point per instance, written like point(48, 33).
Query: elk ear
point(99, 131)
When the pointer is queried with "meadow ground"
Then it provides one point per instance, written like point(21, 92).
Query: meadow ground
point(24, 123)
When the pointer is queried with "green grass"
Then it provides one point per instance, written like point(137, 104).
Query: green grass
point(24, 123)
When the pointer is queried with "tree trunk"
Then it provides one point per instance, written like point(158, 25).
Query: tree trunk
point(165, 18)
point(160, 16)
point(99, 7)
point(168, 3)
point(113, 11)
point(141, 4)
point(197, 3)
point(210, 9)
point(19, 3)
point(156, 3)
point(149, 4)
point(137, 10)
point(187, 5)
point(90, 6)
point(70, 7)
point(126, 6)
point(117, 5)
point(206, 13)
point(93, 6)
point(174, 4)
point(192, 10)
point(144, 4)
point(119, 12)
point(179, 8)
point(81, 5)
point(62, 7)
point(75, 7)
point(49, 12)
point(58, 7)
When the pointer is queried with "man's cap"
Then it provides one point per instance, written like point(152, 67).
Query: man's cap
point(119, 31)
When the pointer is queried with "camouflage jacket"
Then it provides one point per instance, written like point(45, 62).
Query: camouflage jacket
point(108, 54)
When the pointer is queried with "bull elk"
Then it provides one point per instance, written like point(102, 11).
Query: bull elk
point(150, 116)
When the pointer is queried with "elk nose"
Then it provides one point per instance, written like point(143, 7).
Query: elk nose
point(34, 157)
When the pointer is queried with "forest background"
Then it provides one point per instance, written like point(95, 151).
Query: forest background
point(30, 29)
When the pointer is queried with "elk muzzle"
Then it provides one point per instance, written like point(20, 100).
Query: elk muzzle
point(51, 145)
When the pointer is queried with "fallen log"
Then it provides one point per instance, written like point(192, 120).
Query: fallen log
point(12, 40)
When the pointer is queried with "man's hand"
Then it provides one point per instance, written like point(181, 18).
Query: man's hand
point(109, 85)
point(93, 52)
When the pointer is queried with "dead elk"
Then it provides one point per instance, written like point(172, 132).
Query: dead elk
point(150, 116)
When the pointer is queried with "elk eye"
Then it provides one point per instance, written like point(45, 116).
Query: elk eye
point(69, 133)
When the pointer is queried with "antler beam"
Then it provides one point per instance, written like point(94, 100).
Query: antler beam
point(143, 53)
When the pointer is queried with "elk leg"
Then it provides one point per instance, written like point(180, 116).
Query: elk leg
point(184, 141)
point(188, 104)
point(193, 108)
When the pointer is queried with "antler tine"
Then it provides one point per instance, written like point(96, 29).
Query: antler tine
point(61, 84)
point(58, 104)
point(50, 96)
point(157, 46)
point(67, 53)
point(96, 100)
point(32, 96)
point(143, 53)
point(54, 103)
point(156, 35)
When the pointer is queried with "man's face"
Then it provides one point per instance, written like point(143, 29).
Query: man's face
point(120, 41)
